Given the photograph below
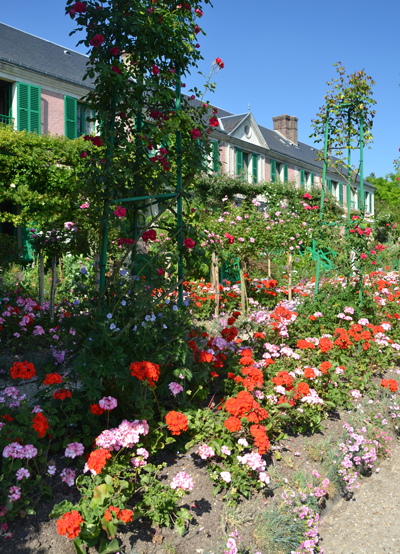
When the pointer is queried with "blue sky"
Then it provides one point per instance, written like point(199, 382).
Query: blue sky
point(278, 57)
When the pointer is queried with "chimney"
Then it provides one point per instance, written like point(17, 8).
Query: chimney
point(286, 125)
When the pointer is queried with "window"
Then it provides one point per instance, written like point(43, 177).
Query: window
point(254, 167)
point(303, 179)
point(215, 156)
point(328, 184)
point(76, 118)
point(239, 161)
point(278, 171)
point(341, 193)
point(28, 108)
point(5, 102)
point(273, 171)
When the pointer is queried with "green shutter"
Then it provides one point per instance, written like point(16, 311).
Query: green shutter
point(285, 173)
point(35, 123)
point(70, 117)
point(341, 193)
point(273, 171)
point(215, 156)
point(28, 107)
point(329, 185)
point(312, 180)
point(23, 106)
point(239, 161)
point(254, 167)
point(302, 178)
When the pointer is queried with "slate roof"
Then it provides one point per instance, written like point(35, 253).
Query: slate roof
point(31, 52)
point(230, 122)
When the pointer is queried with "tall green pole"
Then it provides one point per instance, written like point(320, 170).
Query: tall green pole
point(362, 199)
point(321, 211)
point(109, 154)
point(179, 187)
point(348, 166)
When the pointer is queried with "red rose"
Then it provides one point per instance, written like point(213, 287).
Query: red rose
point(116, 69)
point(115, 51)
point(80, 7)
point(155, 70)
point(189, 243)
point(83, 155)
point(97, 41)
point(214, 122)
point(220, 63)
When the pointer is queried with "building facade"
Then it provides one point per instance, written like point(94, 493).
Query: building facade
point(42, 87)
point(261, 154)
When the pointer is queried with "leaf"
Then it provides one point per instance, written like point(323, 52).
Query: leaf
point(108, 479)
point(109, 527)
point(61, 509)
point(284, 405)
point(78, 546)
point(105, 548)
point(329, 404)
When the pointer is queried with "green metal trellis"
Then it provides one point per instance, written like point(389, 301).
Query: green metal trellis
point(349, 106)
point(148, 200)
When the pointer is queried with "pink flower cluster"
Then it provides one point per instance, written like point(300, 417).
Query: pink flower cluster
point(126, 435)
point(182, 481)
point(15, 494)
point(74, 449)
point(21, 473)
point(68, 476)
point(108, 403)
point(175, 388)
point(16, 450)
point(206, 452)
point(141, 457)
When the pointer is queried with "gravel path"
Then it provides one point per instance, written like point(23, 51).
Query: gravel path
point(370, 522)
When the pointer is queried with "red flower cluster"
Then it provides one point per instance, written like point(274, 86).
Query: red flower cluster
point(52, 379)
point(98, 459)
point(149, 235)
point(305, 344)
point(229, 334)
point(176, 422)
point(391, 383)
point(260, 438)
point(61, 394)
point(22, 370)
point(205, 357)
point(145, 371)
point(343, 340)
point(283, 379)
point(325, 345)
point(96, 410)
point(121, 515)
point(96, 141)
point(70, 524)
point(40, 424)
point(325, 366)
point(97, 41)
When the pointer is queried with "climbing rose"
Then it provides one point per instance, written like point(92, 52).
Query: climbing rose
point(189, 243)
point(220, 63)
point(97, 41)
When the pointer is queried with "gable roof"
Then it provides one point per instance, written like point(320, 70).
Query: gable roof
point(40, 55)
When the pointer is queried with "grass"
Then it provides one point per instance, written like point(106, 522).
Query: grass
point(278, 533)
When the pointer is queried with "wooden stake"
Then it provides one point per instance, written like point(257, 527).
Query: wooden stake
point(290, 277)
point(215, 282)
point(53, 285)
point(41, 280)
point(97, 271)
point(269, 267)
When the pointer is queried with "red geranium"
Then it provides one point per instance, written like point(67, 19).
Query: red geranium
point(61, 394)
point(22, 370)
point(40, 424)
point(70, 524)
point(176, 422)
point(52, 379)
